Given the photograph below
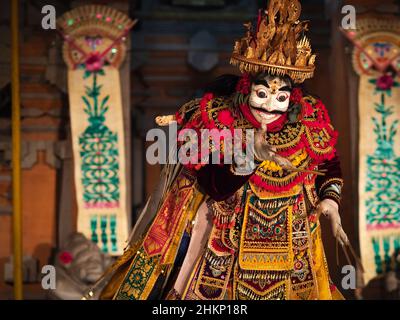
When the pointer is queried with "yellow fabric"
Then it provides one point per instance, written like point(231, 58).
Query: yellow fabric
point(321, 269)
point(196, 201)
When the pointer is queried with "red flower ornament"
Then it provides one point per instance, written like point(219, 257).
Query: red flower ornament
point(296, 95)
point(385, 82)
point(65, 257)
point(94, 62)
point(306, 109)
point(226, 118)
point(179, 118)
point(244, 84)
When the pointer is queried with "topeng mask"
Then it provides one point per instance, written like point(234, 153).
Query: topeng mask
point(269, 98)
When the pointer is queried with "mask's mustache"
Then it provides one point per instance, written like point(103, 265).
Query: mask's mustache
point(276, 112)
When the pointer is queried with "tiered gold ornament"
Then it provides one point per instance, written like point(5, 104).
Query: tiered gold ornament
point(369, 58)
point(100, 26)
point(277, 45)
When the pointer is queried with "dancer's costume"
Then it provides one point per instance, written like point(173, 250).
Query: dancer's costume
point(265, 242)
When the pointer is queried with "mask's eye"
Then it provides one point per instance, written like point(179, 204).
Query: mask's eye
point(282, 97)
point(261, 94)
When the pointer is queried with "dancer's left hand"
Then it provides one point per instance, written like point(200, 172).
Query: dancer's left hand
point(330, 209)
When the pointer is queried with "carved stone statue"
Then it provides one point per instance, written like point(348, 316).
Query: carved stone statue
point(79, 264)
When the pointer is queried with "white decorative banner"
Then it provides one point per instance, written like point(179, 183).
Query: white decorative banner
point(376, 59)
point(379, 172)
point(94, 49)
point(99, 157)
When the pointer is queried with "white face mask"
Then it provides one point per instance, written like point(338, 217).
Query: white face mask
point(269, 98)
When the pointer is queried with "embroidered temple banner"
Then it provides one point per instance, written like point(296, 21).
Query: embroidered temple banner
point(376, 59)
point(94, 48)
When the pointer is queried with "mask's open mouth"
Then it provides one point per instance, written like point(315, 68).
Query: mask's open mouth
point(275, 112)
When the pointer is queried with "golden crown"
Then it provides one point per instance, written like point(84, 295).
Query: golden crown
point(277, 46)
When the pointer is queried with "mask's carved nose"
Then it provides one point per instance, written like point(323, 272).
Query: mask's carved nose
point(268, 107)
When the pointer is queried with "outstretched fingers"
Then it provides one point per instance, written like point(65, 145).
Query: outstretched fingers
point(341, 235)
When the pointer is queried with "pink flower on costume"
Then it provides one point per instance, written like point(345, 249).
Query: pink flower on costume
point(244, 84)
point(296, 95)
point(226, 118)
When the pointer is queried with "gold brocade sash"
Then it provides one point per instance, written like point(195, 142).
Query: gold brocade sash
point(170, 221)
point(160, 245)
point(275, 259)
point(266, 238)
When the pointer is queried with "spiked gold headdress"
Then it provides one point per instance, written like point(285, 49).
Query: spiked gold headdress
point(277, 46)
